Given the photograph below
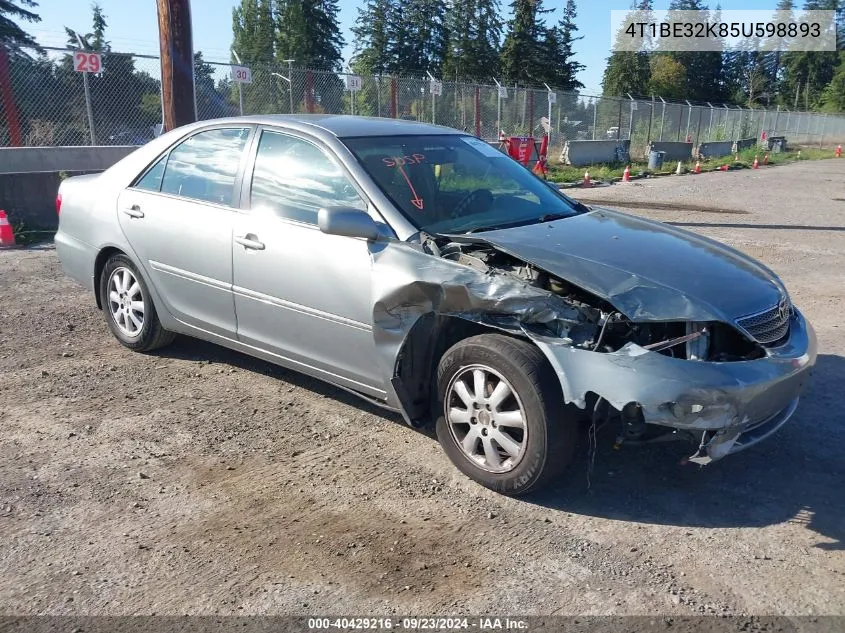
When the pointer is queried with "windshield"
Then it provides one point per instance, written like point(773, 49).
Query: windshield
point(455, 184)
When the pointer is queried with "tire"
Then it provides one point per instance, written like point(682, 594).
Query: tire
point(123, 308)
point(528, 457)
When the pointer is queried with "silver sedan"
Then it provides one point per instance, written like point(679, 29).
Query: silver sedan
point(423, 269)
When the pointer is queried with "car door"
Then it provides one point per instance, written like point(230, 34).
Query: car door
point(178, 219)
point(299, 293)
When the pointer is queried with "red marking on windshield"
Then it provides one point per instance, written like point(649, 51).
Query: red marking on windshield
point(416, 200)
point(399, 161)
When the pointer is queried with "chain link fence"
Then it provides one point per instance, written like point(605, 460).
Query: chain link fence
point(122, 105)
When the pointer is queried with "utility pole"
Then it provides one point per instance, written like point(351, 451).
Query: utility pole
point(178, 95)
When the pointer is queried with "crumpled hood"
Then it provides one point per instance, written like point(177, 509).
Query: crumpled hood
point(648, 270)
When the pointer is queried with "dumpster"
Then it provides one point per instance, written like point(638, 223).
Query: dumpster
point(655, 159)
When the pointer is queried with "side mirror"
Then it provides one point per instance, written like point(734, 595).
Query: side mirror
point(347, 221)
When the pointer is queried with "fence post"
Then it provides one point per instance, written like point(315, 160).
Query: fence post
point(698, 129)
point(689, 118)
point(8, 100)
point(650, 118)
point(393, 104)
point(309, 92)
point(530, 111)
point(662, 118)
point(824, 127)
point(619, 122)
point(478, 111)
point(595, 115)
point(710, 124)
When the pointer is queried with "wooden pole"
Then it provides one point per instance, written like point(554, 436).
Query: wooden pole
point(177, 63)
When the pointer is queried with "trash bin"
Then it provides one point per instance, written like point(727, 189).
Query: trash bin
point(778, 145)
point(655, 159)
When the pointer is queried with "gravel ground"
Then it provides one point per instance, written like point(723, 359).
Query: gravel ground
point(200, 481)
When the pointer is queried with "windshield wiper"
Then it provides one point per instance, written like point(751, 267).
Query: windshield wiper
point(548, 217)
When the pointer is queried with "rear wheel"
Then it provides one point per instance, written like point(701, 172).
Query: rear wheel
point(502, 420)
point(129, 311)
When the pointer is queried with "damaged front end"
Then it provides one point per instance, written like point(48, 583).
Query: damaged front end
point(707, 380)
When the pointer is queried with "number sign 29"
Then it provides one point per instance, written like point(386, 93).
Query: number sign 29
point(87, 62)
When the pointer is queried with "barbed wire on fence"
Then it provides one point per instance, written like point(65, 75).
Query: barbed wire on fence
point(124, 100)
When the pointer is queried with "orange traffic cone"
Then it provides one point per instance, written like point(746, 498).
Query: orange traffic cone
point(765, 159)
point(697, 169)
point(838, 151)
point(7, 236)
point(755, 164)
point(587, 182)
point(626, 175)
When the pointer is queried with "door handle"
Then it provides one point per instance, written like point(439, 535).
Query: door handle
point(250, 241)
point(134, 211)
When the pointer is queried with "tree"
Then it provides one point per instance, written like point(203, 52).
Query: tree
point(11, 35)
point(419, 39)
point(806, 75)
point(522, 52)
point(668, 77)
point(833, 96)
point(253, 30)
point(211, 102)
point(629, 72)
point(372, 37)
point(557, 52)
point(475, 31)
point(703, 80)
point(307, 32)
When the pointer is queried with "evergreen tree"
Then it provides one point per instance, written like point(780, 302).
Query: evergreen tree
point(372, 37)
point(307, 32)
point(252, 31)
point(703, 70)
point(833, 96)
point(211, 102)
point(98, 34)
point(420, 39)
point(629, 72)
point(11, 35)
point(475, 31)
point(522, 58)
point(806, 75)
point(561, 67)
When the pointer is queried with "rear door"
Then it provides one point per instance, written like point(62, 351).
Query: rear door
point(299, 293)
point(178, 219)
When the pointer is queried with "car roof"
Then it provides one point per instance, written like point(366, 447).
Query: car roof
point(346, 126)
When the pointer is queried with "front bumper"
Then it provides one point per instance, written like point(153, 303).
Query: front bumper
point(732, 405)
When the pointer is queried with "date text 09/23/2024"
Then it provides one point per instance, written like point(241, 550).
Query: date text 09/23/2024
point(484, 623)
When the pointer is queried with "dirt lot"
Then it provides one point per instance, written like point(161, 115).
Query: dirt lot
point(201, 481)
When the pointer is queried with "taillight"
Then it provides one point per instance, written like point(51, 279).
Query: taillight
point(58, 204)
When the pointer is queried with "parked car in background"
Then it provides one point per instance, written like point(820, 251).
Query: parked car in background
point(424, 270)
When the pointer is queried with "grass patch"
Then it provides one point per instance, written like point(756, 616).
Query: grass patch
point(613, 171)
point(25, 235)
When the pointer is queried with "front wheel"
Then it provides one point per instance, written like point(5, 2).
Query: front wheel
point(129, 310)
point(501, 416)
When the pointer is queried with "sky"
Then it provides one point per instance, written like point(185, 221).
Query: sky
point(133, 26)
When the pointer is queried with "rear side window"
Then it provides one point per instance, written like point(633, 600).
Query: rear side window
point(151, 181)
point(204, 166)
point(294, 179)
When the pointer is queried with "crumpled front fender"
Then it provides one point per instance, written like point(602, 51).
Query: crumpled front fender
point(689, 394)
